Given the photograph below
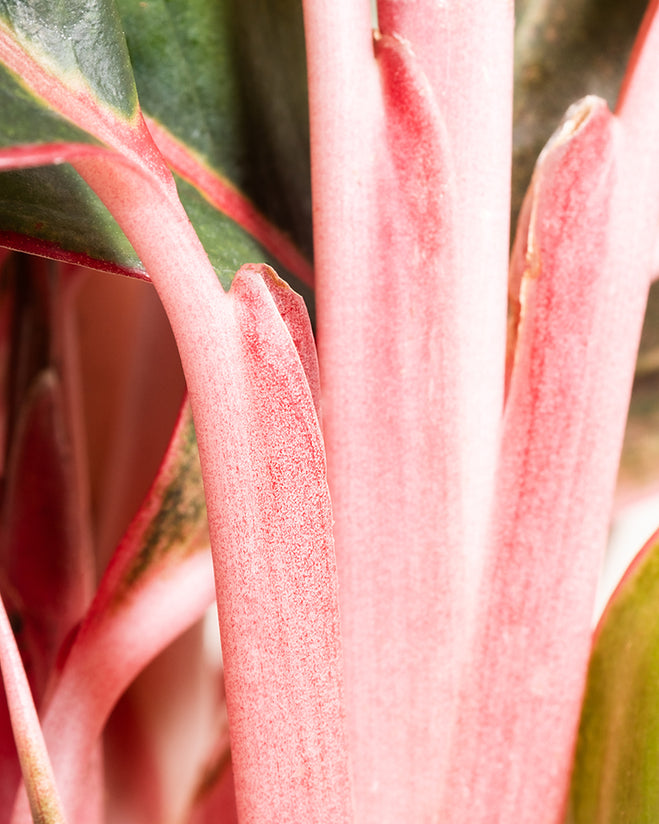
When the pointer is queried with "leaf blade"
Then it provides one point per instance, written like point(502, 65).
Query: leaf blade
point(230, 243)
point(617, 751)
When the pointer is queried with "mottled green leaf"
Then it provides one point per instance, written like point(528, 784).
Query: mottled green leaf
point(615, 779)
point(54, 205)
point(83, 44)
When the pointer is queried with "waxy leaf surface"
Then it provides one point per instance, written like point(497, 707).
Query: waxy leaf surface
point(227, 79)
point(191, 82)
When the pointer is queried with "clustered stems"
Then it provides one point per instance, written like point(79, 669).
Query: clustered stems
point(406, 544)
point(411, 193)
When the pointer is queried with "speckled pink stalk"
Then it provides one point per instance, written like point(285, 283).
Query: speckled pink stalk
point(584, 260)
point(269, 511)
point(264, 473)
point(410, 142)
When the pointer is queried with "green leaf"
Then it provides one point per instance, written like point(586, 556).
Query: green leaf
point(80, 40)
point(228, 79)
point(51, 210)
point(272, 66)
point(53, 204)
point(617, 755)
point(227, 115)
point(25, 120)
point(227, 244)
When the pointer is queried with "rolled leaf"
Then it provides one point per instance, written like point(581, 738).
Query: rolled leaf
point(402, 222)
point(275, 567)
point(582, 262)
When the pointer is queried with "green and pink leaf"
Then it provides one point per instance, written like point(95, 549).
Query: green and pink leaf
point(245, 376)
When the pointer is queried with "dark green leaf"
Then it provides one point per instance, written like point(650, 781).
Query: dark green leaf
point(227, 244)
point(54, 205)
point(81, 40)
point(234, 98)
point(228, 79)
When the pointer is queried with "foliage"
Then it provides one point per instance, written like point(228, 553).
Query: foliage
point(406, 498)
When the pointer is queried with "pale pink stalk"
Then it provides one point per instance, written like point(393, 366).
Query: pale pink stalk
point(638, 112)
point(465, 51)
point(583, 258)
point(45, 804)
point(269, 511)
point(410, 194)
point(264, 474)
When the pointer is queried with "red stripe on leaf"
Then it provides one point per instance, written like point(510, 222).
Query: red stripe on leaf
point(227, 199)
point(80, 107)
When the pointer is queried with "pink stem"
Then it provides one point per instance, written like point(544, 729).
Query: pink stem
point(583, 261)
point(227, 199)
point(269, 511)
point(466, 52)
point(408, 457)
point(45, 804)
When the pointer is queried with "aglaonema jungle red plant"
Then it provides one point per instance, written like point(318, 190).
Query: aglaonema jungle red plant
point(407, 503)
